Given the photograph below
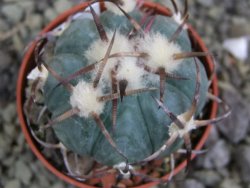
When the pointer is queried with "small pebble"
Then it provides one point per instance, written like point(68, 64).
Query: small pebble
point(13, 184)
point(3, 25)
point(9, 113)
point(206, 3)
point(50, 14)
point(236, 126)
point(9, 129)
point(35, 22)
point(242, 159)
point(243, 24)
point(27, 5)
point(192, 183)
point(12, 12)
point(22, 172)
point(57, 185)
point(229, 183)
point(209, 178)
point(215, 12)
point(5, 59)
point(62, 5)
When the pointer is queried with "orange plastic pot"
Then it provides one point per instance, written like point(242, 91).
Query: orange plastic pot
point(28, 64)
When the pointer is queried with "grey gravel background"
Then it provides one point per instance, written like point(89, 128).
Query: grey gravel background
point(226, 165)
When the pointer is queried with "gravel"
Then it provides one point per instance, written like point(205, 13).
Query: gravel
point(218, 156)
point(227, 162)
point(236, 132)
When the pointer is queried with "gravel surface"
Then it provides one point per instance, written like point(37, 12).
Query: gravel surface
point(227, 163)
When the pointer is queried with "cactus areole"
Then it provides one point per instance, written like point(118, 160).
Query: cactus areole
point(123, 86)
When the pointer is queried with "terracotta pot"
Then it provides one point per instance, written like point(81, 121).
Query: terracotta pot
point(28, 64)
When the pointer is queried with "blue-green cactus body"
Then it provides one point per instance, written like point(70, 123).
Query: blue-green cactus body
point(77, 38)
point(142, 128)
point(121, 23)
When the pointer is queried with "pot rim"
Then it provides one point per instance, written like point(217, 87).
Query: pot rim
point(25, 67)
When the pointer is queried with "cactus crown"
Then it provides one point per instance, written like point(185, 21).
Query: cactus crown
point(108, 76)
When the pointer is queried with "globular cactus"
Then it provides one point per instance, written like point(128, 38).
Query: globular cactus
point(123, 87)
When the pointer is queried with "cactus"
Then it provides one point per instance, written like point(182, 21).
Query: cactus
point(123, 87)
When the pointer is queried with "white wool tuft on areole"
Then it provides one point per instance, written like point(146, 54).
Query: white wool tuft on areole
point(85, 98)
point(42, 75)
point(188, 126)
point(98, 49)
point(36, 73)
point(179, 19)
point(160, 52)
point(122, 167)
point(128, 6)
point(131, 72)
